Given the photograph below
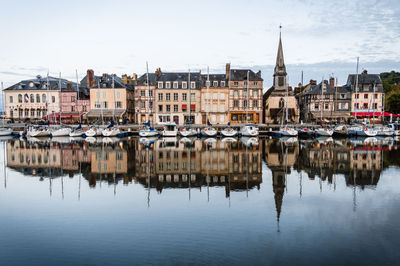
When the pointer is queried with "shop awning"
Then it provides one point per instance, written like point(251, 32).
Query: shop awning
point(193, 107)
point(371, 114)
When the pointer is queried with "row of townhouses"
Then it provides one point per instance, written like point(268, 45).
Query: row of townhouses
point(165, 97)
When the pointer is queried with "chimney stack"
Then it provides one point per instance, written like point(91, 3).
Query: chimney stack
point(313, 82)
point(227, 70)
point(89, 78)
point(259, 73)
point(158, 72)
point(332, 82)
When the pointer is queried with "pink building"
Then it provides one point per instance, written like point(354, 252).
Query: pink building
point(72, 107)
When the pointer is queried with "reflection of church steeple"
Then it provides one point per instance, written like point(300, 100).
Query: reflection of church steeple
point(278, 184)
point(280, 68)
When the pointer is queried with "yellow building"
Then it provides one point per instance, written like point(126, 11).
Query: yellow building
point(215, 99)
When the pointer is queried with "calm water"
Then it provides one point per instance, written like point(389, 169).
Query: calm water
point(273, 202)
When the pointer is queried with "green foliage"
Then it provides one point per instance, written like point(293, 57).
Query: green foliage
point(391, 87)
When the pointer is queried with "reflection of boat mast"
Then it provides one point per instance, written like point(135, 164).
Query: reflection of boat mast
point(208, 164)
point(80, 174)
point(247, 166)
point(190, 167)
point(301, 183)
point(4, 166)
point(148, 192)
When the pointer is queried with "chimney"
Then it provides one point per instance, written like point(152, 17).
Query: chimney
point(104, 75)
point(332, 82)
point(227, 70)
point(158, 72)
point(313, 82)
point(89, 78)
point(134, 77)
point(259, 73)
point(365, 72)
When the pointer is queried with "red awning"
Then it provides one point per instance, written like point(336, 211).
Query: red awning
point(193, 107)
point(184, 106)
point(63, 115)
point(371, 114)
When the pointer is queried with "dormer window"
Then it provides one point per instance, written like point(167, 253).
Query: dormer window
point(160, 85)
point(223, 83)
point(193, 85)
point(168, 85)
point(175, 84)
point(208, 83)
point(215, 83)
point(184, 85)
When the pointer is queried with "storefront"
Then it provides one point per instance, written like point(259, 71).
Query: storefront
point(240, 117)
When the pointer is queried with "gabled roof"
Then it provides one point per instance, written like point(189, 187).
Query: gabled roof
point(43, 83)
point(142, 80)
point(179, 76)
point(104, 81)
point(364, 78)
point(317, 89)
point(241, 74)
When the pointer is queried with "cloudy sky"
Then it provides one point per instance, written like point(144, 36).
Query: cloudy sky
point(322, 38)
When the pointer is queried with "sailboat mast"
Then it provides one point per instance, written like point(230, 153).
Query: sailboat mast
point(77, 91)
point(322, 97)
point(148, 91)
point(287, 99)
point(101, 105)
point(247, 94)
point(190, 100)
point(355, 106)
point(47, 95)
point(59, 87)
point(208, 94)
point(113, 88)
point(373, 108)
point(3, 101)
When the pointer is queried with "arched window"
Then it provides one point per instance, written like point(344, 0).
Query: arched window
point(32, 98)
point(38, 98)
point(26, 98)
point(43, 98)
point(20, 98)
point(281, 103)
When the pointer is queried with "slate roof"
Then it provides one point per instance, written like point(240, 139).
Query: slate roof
point(365, 79)
point(104, 81)
point(179, 76)
point(142, 80)
point(241, 74)
point(214, 77)
point(317, 89)
point(43, 83)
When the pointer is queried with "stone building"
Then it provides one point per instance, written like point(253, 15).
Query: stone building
point(172, 102)
point(238, 87)
point(34, 99)
point(145, 98)
point(279, 96)
point(214, 99)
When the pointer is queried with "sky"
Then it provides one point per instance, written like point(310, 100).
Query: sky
point(320, 38)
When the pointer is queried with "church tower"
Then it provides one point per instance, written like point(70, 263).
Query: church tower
point(280, 68)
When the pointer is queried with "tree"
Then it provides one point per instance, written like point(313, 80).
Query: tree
point(391, 87)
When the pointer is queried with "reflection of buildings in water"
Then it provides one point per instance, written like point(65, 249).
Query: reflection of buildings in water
point(178, 165)
point(74, 155)
point(366, 165)
point(39, 159)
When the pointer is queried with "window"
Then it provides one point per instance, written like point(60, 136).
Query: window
point(32, 112)
point(215, 83)
point(160, 108)
point(245, 93)
point(222, 108)
point(235, 93)
point(235, 83)
point(365, 106)
point(160, 85)
point(105, 105)
point(208, 83)
point(222, 96)
point(207, 107)
point(221, 118)
point(193, 85)
point(11, 99)
point(26, 112)
point(280, 81)
point(215, 107)
point(184, 107)
point(356, 96)
point(244, 103)
point(72, 98)
point(72, 108)
point(20, 97)
point(143, 105)
point(175, 85)
point(151, 104)
point(215, 95)
point(213, 118)
point(245, 83)
point(32, 98)
point(184, 85)
point(175, 108)
point(184, 96)
point(150, 93)
point(118, 94)
point(160, 96)
point(168, 108)
point(97, 105)
point(376, 95)
point(142, 93)
point(326, 96)
point(168, 85)
point(316, 107)
point(193, 96)
point(207, 95)
point(255, 103)
point(365, 96)
point(118, 104)
point(236, 103)
point(223, 83)
point(168, 96)
point(255, 83)
point(97, 94)
point(175, 96)
point(53, 99)
point(326, 106)
point(38, 98)
point(375, 106)
point(104, 94)
point(255, 93)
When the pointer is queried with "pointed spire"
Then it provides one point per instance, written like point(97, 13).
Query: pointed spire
point(280, 68)
point(279, 57)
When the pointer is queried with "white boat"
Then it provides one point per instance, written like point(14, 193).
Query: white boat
point(229, 139)
point(38, 132)
point(170, 130)
point(5, 131)
point(362, 131)
point(396, 129)
point(111, 132)
point(324, 139)
point(90, 140)
point(187, 132)
point(305, 132)
point(61, 132)
point(77, 132)
point(210, 140)
point(110, 140)
point(148, 140)
point(288, 132)
point(341, 130)
point(61, 139)
point(229, 132)
point(209, 132)
point(249, 141)
point(288, 140)
point(384, 131)
point(148, 132)
point(249, 130)
point(324, 132)
point(93, 132)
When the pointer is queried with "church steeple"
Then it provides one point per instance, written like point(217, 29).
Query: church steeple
point(280, 68)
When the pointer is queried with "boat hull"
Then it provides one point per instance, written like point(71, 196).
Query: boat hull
point(229, 132)
point(6, 131)
point(110, 132)
point(61, 132)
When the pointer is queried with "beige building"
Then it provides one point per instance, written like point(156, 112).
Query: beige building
point(34, 99)
point(144, 98)
point(215, 99)
point(239, 86)
point(109, 97)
